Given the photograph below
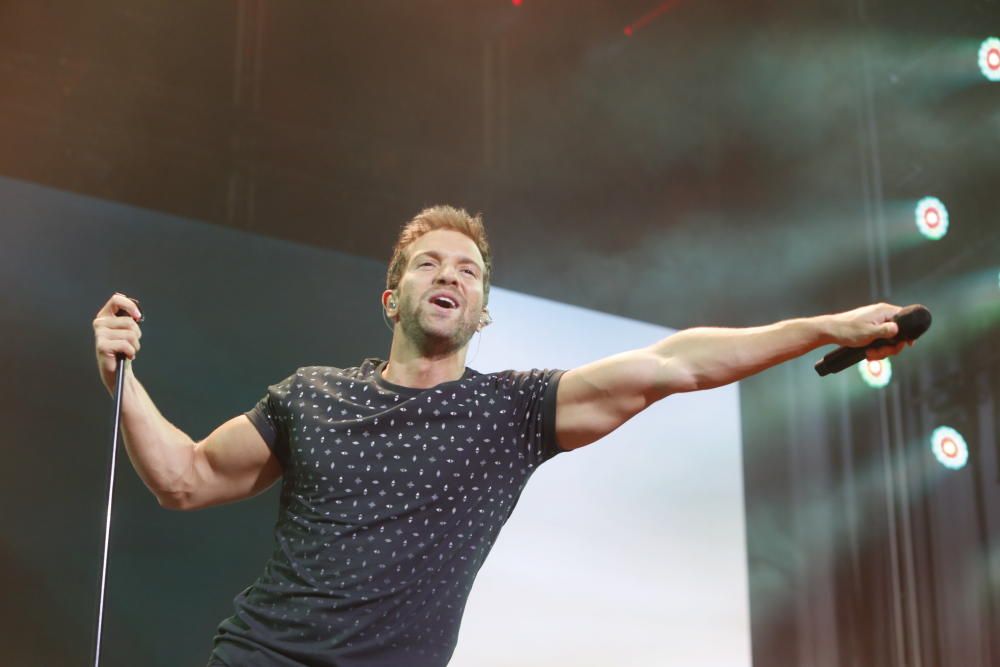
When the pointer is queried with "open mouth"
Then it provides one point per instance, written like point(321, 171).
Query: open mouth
point(442, 301)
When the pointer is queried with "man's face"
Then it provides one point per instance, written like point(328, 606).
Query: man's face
point(440, 295)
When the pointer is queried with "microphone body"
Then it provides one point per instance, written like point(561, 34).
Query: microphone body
point(912, 321)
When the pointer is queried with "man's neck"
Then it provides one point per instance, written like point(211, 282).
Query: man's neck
point(409, 367)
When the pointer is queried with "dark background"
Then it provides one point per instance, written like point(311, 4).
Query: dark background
point(727, 164)
point(228, 313)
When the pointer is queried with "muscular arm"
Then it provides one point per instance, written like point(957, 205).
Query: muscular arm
point(597, 398)
point(232, 463)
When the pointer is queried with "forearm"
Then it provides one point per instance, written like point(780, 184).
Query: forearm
point(161, 453)
point(707, 357)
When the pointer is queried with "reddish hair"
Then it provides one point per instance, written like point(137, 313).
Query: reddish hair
point(432, 219)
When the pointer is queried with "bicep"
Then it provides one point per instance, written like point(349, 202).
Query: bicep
point(595, 399)
point(232, 463)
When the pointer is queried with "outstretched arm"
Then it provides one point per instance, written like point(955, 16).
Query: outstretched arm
point(597, 398)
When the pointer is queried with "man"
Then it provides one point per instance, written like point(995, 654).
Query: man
point(398, 474)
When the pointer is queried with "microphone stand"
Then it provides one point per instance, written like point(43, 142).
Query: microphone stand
point(119, 384)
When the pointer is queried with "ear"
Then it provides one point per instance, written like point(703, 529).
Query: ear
point(389, 303)
point(484, 320)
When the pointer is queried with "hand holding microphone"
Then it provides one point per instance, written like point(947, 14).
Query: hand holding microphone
point(905, 326)
point(116, 335)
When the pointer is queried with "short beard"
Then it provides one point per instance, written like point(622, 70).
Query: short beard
point(428, 343)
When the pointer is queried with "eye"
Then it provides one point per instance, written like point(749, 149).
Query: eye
point(470, 272)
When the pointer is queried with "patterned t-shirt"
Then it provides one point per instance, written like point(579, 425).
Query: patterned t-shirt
point(391, 499)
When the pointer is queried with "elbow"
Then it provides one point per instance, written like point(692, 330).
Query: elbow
point(690, 384)
point(180, 502)
point(180, 493)
point(677, 377)
point(694, 381)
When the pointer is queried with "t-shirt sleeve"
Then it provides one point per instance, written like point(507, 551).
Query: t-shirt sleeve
point(534, 410)
point(271, 417)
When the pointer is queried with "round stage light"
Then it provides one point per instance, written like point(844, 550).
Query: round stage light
point(949, 447)
point(989, 58)
point(932, 218)
point(875, 373)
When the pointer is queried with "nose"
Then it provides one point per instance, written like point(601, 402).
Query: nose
point(446, 274)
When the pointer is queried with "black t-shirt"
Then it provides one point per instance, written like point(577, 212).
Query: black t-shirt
point(391, 499)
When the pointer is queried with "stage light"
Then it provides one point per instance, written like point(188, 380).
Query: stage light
point(875, 373)
point(516, 3)
point(989, 59)
point(649, 17)
point(932, 218)
point(949, 447)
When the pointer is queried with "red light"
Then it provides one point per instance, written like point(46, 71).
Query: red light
point(643, 21)
point(993, 58)
point(949, 448)
point(932, 218)
point(516, 3)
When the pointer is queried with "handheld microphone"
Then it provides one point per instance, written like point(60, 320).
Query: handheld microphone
point(912, 321)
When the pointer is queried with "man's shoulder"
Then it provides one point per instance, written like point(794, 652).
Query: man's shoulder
point(363, 371)
point(509, 379)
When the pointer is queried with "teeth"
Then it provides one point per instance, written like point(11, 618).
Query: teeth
point(447, 301)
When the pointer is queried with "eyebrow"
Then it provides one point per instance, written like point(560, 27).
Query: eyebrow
point(437, 255)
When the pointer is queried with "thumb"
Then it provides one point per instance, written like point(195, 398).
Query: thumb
point(890, 330)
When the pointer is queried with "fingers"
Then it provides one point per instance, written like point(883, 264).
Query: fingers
point(883, 352)
point(111, 348)
point(889, 330)
point(124, 323)
point(108, 319)
point(887, 311)
point(117, 302)
point(130, 335)
point(110, 341)
point(872, 323)
point(116, 334)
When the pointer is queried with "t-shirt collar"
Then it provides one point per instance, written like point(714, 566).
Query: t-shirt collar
point(409, 391)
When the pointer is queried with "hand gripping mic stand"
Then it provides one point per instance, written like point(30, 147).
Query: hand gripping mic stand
point(119, 384)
